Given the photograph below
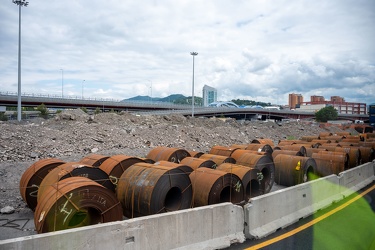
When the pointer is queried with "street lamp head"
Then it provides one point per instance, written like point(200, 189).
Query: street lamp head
point(21, 3)
point(193, 53)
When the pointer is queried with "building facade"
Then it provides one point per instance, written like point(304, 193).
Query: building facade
point(295, 100)
point(209, 95)
point(339, 103)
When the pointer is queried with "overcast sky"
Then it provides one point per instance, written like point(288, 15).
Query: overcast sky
point(248, 49)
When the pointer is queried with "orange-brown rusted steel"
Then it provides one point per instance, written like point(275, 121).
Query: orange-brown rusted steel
point(33, 176)
point(343, 133)
point(292, 170)
point(71, 169)
point(309, 138)
point(75, 202)
point(328, 162)
point(218, 159)
point(353, 152)
point(264, 141)
point(168, 154)
point(286, 152)
point(195, 154)
point(310, 151)
point(222, 150)
point(262, 162)
point(367, 154)
point(324, 134)
point(184, 167)
point(260, 148)
point(367, 144)
point(249, 177)
point(198, 163)
point(115, 165)
point(212, 186)
point(347, 144)
point(333, 138)
point(239, 146)
point(146, 189)
point(94, 160)
point(321, 142)
point(295, 147)
point(286, 142)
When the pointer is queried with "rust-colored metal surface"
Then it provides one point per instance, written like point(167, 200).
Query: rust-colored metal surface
point(184, 167)
point(75, 202)
point(329, 162)
point(263, 163)
point(264, 141)
point(71, 169)
point(115, 165)
point(239, 146)
point(333, 138)
point(218, 159)
point(222, 150)
point(293, 170)
point(146, 189)
point(295, 147)
point(353, 152)
point(94, 160)
point(343, 133)
point(324, 134)
point(195, 154)
point(310, 151)
point(260, 147)
point(198, 163)
point(250, 178)
point(168, 154)
point(309, 138)
point(286, 152)
point(212, 186)
point(367, 154)
point(33, 176)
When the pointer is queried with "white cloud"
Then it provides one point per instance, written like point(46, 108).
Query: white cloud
point(259, 50)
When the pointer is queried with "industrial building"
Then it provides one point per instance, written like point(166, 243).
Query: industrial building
point(295, 100)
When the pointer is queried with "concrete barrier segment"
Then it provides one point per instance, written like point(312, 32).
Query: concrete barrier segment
point(268, 213)
point(209, 227)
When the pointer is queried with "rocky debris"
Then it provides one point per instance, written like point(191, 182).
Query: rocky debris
point(7, 210)
point(73, 134)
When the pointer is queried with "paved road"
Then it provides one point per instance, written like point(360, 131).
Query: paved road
point(348, 224)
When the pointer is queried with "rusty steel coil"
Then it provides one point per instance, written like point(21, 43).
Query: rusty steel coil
point(367, 144)
point(33, 176)
point(75, 202)
point(222, 150)
point(218, 159)
point(260, 148)
point(146, 189)
point(295, 147)
point(333, 138)
point(293, 170)
point(344, 133)
point(249, 177)
point(94, 160)
point(367, 154)
point(309, 138)
point(168, 154)
point(286, 142)
point(212, 186)
point(310, 151)
point(115, 165)
point(198, 163)
point(286, 152)
point(353, 152)
point(324, 134)
point(264, 141)
point(347, 144)
point(321, 142)
point(239, 146)
point(263, 163)
point(184, 167)
point(71, 169)
point(195, 154)
point(328, 162)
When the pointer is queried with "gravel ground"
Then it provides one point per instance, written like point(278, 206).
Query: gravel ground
point(73, 134)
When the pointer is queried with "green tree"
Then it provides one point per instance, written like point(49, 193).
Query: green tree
point(43, 110)
point(325, 114)
point(84, 109)
point(97, 111)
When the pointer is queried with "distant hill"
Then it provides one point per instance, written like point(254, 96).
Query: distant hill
point(170, 98)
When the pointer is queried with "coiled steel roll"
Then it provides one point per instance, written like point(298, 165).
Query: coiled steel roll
point(213, 186)
point(115, 165)
point(33, 176)
point(249, 177)
point(310, 151)
point(367, 154)
point(295, 147)
point(198, 163)
point(263, 163)
point(309, 138)
point(286, 152)
point(195, 154)
point(260, 148)
point(71, 169)
point(168, 154)
point(263, 141)
point(222, 150)
point(292, 170)
point(146, 189)
point(94, 160)
point(328, 162)
point(75, 202)
point(218, 159)
point(184, 167)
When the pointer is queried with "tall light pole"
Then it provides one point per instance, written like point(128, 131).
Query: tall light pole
point(82, 88)
point(62, 83)
point(150, 89)
point(20, 4)
point(192, 95)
